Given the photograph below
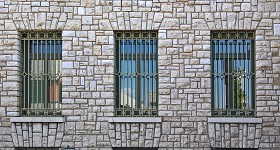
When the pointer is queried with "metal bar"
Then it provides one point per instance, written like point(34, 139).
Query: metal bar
point(127, 70)
point(37, 70)
point(156, 71)
point(54, 73)
point(50, 67)
point(219, 71)
point(136, 75)
point(144, 73)
point(41, 74)
point(32, 84)
point(59, 74)
point(46, 74)
point(131, 75)
point(123, 72)
point(26, 73)
point(119, 78)
point(148, 79)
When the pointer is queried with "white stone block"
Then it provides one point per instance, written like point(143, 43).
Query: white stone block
point(276, 29)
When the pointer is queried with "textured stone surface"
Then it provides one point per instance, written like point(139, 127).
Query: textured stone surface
point(184, 67)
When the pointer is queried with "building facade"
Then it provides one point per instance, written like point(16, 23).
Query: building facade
point(162, 74)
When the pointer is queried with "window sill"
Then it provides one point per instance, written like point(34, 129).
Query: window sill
point(37, 119)
point(234, 120)
point(135, 119)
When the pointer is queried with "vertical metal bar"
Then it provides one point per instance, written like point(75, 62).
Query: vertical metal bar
point(233, 71)
point(152, 74)
point(46, 74)
point(144, 73)
point(54, 73)
point(220, 73)
point(137, 99)
point(33, 69)
point(148, 77)
point(127, 69)
point(37, 70)
point(156, 72)
point(141, 76)
point(41, 73)
point(213, 80)
point(238, 64)
point(248, 78)
point(229, 74)
point(50, 67)
point(123, 71)
point(252, 72)
point(57, 80)
point(59, 72)
point(131, 76)
point(245, 75)
point(26, 73)
point(119, 78)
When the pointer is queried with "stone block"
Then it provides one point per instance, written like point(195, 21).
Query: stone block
point(37, 140)
point(276, 29)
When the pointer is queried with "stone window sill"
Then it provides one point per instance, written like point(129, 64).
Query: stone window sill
point(135, 119)
point(37, 119)
point(234, 120)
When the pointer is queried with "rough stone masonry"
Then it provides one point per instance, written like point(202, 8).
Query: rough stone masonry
point(184, 69)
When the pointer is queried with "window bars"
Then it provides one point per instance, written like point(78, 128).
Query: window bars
point(41, 73)
point(233, 73)
point(136, 74)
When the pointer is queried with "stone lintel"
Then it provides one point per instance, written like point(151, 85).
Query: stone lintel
point(234, 120)
point(37, 119)
point(135, 119)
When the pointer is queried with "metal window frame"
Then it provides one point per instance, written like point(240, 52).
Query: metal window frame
point(234, 35)
point(46, 47)
point(132, 35)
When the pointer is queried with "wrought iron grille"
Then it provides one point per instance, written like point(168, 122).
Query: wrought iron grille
point(136, 73)
point(233, 73)
point(41, 73)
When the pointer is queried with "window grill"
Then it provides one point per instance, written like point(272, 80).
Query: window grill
point(136, 74)
point(233, 73)
point(41, 73)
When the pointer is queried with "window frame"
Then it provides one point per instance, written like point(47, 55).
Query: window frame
point(138, 57)
point(41, 58)
point(246, 35)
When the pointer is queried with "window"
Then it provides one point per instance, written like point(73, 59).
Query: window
point(233, 73)
point(41, 73)
point(136, 74)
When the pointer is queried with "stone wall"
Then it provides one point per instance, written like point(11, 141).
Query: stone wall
point(184, 69)
point(37, 134)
